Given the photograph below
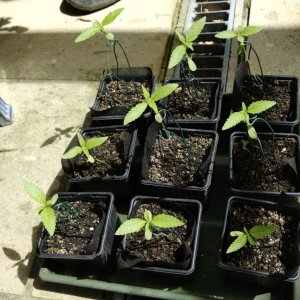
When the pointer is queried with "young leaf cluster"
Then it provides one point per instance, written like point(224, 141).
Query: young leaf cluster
point(243, 116)
point(159, 221)
point(45, 210)
point(100, 27)
point(240, 34)
point(160, 93)
point(85, 146)
point(256, 232)
point(180, 52)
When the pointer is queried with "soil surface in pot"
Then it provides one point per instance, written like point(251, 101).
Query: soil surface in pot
point(121, 94)
point(268, 170)
point(276, 90)
point(192, 102)
point(109, 158)
point(176, 162)
point(274, 253)
point(75, 225)
point(164, 244)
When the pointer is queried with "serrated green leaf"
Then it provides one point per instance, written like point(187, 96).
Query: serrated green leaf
point(237, 244)
point(89, 157)
point(110, 36)
point(99, 26)
point(108, 19)
point(163, 91)
point(191, 63)
point(176, 56)
point(226, 34)
point(240, 38)
point(48, 218)
point(158, 118)
point(250, 240)
point(86, 34)
point(190, 45)
point(148, 232)
point(166, 221)
point(135, 112)
point(147, 215)
point(81, 140)
point(252, 132)
point(234, 119)
point(258, 107)
point(146, 93)
point(153, 106)
point(95, 142)
point(131, 226)
point(72, 152)
point(195, 29)
point(52, 200)
point(236, 233)
point(261, 231)
point(244, 107)
point(34, 192)
point(180, 37)
point(250, 30)
point(40, 207)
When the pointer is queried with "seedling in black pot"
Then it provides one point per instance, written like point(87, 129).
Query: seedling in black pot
point(152, 225)
point(256, 232)
point(85, 146)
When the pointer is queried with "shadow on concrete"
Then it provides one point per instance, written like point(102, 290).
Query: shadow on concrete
point(21, 264)
point(8, 150)
point(57, 136)
point(13, 29)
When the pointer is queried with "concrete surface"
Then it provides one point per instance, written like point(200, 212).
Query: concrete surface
point(49, 80)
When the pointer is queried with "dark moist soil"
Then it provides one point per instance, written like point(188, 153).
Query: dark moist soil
point(268, 171)
point(121, 94)
point(75, 226)
point(274, 253)
point(192, 103)
point(164, 244)
point(109, 158)
point(276, 90)
point(174, 162)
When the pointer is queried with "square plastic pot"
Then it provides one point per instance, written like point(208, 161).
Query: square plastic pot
point(117, 184)
point(212, 85)
point(199, 192)
point(291, 124)
point(104, 235)
point(262, 278)
point(187, 207)
point(258, 193)
point(116, 114)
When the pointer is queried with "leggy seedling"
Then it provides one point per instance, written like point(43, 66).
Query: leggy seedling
point(243, 116)
point(256, 232)
point(85, 146)
point(149, 222)
point(160, 93)
point(45, 210)
point(110, 37)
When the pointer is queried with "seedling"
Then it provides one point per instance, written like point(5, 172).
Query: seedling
point(161, 92)
point(110, 38)
point(149, 223)
point(256, 232)
point(180, 54)
point(85, 146)
point(243, 116)
point(45, 210)
point(241, 34)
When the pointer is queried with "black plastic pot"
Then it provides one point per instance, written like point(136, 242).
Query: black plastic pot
point(118, 184)
point(192, 210)
point(117, 114)
point(103, 237)
point(199, 192)
point(262, 278)
point(215, 103)
point(291, 124)
point(237, 136)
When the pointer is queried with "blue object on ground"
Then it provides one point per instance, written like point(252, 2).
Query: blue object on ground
point(90, 5)
point(6, 113)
